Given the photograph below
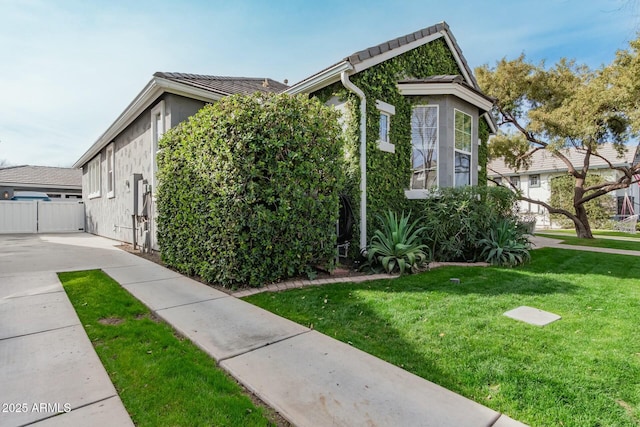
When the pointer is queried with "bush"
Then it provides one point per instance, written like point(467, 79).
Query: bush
point(457, 218)
point(396, 246)
point(248, 189)
point(505, 244)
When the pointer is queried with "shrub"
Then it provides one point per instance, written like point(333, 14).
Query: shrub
point(455, 219)
point(505, 244)
point(248, 189)
point(396, 246)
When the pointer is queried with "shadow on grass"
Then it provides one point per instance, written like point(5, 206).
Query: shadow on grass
point(456, 336)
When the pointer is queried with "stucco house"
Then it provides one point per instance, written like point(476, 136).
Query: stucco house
point(411, 107)
point(535, 182)
point(57, 183)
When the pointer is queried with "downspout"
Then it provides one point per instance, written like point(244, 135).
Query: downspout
point(344, 78)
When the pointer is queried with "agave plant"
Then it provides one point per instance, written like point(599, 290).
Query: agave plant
point(505, 245)
point(397, 246)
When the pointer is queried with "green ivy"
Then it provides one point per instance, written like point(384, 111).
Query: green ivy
point(388, 174)
point(248, 189)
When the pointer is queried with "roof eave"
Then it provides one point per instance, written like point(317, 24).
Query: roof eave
point(40, 185)
point(332, 74)
point(550, 171)
point(156, 87)
point(471, 96)
point(320, 80)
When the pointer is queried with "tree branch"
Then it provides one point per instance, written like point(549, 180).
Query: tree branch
point(550, 208)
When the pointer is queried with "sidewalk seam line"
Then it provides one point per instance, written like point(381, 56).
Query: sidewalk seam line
point(188, 303)
point(40, 332)
point(144, 281)
point(32, 295)
point(496, 420)
point(74, 409)
point(263, 346)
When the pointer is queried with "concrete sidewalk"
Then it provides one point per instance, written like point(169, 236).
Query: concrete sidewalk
point(50, 375)
point(539, 242)
point(311, 379)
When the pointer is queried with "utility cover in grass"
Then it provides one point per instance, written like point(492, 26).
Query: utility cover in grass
point(532, 315)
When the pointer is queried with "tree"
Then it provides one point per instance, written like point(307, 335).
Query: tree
point(566, 106)
point(599, 210)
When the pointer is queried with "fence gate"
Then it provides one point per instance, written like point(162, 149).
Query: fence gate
point(35, 216)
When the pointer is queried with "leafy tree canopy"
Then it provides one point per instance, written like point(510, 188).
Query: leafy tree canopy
point(566, 106)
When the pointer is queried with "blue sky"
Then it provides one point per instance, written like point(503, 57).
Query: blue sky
point(68, 68)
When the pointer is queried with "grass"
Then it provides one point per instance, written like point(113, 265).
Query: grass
point(596, 242)
point(162, 379)
point(583, 370)
point(609, 233)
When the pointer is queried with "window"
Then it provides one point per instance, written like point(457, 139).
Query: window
point(462, 152)
point(94, 177)
point(515, 181)
point(534, 180)
point(110, 173)
point(157, 130)
point(424, 151)
point(384, 128)
point(498, 180)
point(384, 139)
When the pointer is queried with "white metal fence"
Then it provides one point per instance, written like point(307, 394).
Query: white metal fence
point(35, 216)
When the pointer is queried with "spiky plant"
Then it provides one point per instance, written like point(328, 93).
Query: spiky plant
point(396, 246)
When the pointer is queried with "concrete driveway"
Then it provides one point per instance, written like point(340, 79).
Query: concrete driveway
point(50, 374)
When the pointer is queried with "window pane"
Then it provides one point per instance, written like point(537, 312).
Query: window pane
point(462, 131)
point(384, 126)
point(462, 169)
point(424, 139)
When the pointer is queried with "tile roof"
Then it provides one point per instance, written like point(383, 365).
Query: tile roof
point(225, 85)
point(41, 175)
point(398, 42)
point(373, 51)
point(543, 161)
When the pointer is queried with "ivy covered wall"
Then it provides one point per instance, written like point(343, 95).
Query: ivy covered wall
point(388, 174)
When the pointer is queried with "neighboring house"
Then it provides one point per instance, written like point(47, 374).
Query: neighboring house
point(57, 183)
point(419, 114)
point(535, 182)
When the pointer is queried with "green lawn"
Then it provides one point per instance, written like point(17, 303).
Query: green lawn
point(597, 242)
point(162, 379)
point(583, 370)
point(595, 233)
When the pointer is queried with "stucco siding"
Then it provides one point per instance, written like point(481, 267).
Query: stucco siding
point(112, 216)
point(180, 108)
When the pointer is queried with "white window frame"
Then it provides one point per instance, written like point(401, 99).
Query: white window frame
point(423, 193)
point(111, 181)
point(387, 110)
point(156, 112)
point(93, 173)
point(513, 184)
point(537, 184)
point(456, 150)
